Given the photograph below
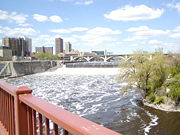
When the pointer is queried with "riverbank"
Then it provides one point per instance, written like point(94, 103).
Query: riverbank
point(163, 106)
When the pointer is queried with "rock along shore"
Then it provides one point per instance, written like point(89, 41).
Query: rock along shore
point(163, 106)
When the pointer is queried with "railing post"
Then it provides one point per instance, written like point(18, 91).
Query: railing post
point(21, 112)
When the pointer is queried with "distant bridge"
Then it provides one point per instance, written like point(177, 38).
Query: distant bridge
point(105, 58)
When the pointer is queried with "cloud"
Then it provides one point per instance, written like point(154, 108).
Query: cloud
point(175, 6)
point(17, 31)
point(56, 19)
point(66, 0)
point(25, 24)
point(175, 33)
point(162, 44)
point(79, 2)
point(84, 2)
point(129, 13)
point(89, 37)
point(44, 40)
point(103, 31)
point(60, 31)
point(70, 30)
point(135, 38)
point(144, 32)
point(97, 36)
point(154, 42)
point(78, 29)
point(140, 28)
point(93, 40)
point(133, 45)
point(43, 18)
point(13, 17)
point(40, 18)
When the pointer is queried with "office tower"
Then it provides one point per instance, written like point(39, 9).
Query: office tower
point(59, 45)
point(23, 47)
point(6, 41)
point(29, 44)
point(39, 50)
point(68, 47)
point(13, 44)
point(20, 46)
point(44, 50)
point(49, 50)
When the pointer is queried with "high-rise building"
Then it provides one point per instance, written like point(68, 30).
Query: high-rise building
point(5, 53)
point(29, 44)
point(49, 50)
point(59, 45)
point(68, 47)
point(39, 49)
point(20, 46)
point(6, 41)
point(44, 50)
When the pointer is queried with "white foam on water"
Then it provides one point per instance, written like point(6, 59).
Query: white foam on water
point(132, 100)
point(84, 91)
point(83, 71)
point(153, 122)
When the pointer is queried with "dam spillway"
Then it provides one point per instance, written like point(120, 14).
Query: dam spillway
point(93, 65)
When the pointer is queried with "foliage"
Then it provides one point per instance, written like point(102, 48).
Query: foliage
point(151, 97)
point(158, 100)
point(152, 73)
point(146, 71)
point(174, 86)
point(46, 56)
point(174, 77)
point(174, 64)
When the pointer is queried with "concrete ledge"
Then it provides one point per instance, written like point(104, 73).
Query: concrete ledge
point(21, 68)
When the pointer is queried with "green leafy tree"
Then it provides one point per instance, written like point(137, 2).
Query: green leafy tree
point(145, 70)
point(174, 77)
point(153, 74)
point(46, 56)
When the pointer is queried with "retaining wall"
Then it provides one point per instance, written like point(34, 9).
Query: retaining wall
point(15, 69)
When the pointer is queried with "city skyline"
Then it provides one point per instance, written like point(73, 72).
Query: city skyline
point(20, 46)
point(119, 26)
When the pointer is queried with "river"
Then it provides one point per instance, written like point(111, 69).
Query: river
point(95, 94)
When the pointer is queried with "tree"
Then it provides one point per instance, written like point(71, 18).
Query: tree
point(145, 70)
point(46, 56)
point(174, 77)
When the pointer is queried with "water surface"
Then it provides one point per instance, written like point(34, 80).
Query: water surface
point(96, 95)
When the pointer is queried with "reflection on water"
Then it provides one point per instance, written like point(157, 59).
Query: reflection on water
point(95, 95)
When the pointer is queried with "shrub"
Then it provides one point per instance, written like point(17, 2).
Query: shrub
point(158, 100)
point(151, 97)
point(174, 92)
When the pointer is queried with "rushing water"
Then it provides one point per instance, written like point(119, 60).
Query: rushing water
point(95, 94)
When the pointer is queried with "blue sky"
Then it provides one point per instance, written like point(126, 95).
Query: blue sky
point(118, 26)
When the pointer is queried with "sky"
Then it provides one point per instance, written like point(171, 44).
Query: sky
point(118, 26)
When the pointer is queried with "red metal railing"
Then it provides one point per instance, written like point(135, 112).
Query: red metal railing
point(22, 113)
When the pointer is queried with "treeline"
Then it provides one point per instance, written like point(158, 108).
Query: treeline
point(46, 56)
point(156, 74)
